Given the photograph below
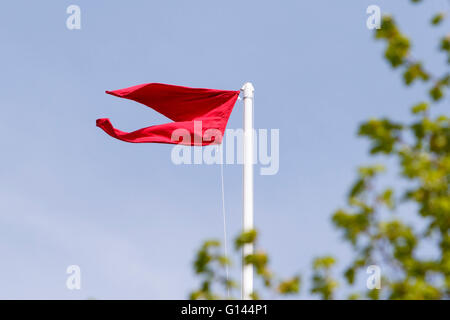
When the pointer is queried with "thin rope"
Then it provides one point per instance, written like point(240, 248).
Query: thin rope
point(224, 221)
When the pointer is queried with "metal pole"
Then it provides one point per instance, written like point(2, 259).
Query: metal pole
point(247, 270)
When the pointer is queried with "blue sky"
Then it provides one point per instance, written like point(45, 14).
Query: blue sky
point(132, 220)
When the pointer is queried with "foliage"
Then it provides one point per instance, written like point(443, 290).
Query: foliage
point(209, 265)
point(323, 283)
point(421, 148)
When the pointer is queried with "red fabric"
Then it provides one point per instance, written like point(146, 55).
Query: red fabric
point(183, 105)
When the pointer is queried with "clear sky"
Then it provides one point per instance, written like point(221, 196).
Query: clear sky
point(129, 217)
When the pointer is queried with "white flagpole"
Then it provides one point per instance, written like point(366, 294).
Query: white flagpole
point(247, 270)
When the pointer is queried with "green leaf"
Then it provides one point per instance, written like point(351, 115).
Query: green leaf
point(436, 93)
point(246, 237)
point(415, 71)
point(324, 262)
point(438, 18)
point(289, 286)
point(421, 107)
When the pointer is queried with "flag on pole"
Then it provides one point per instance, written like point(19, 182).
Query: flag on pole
point(186, 107)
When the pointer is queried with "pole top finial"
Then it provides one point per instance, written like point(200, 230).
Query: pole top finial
point(248, 90)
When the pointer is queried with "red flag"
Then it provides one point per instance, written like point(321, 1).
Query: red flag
point(197, 112)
